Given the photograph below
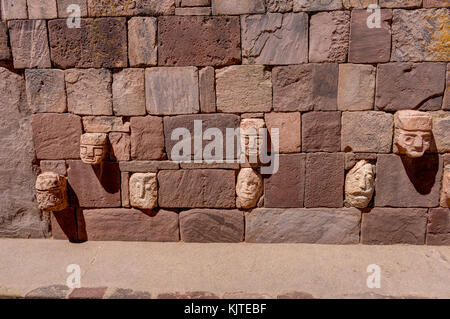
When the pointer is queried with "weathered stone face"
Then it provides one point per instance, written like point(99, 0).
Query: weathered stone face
point(412, 133)
point(360, 185)
point(51, 192)
point(93, 148)
point(248, 188)
point(252, 140)
point(143, 190)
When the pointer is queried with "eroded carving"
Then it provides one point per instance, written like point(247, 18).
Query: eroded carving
point(446, 187)
point(51, 192)
point(360, 185)
point(93, 148)
point(143, 190)
point(252, 139)
point(412, 133)
point(249, 188)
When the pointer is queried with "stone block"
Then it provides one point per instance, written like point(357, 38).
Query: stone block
point(29, 44)
point(438, 227)
point(125, 188)
point(64, 224)
point(42, 9)
point(289, 127)
point(95, 186)
point(142, 47)
point(211, 188)
point(420, 35)
point(390, 226)
point(14, 9)
point(317, 5)
point(129, 92)
point(195, 3)
point(63, 6)
point(358, 4)
point(441, 131)
point(279, 5)
point(324, 181)
point(243, 88)
point(98, 43)
point(172, 90)
point(232, 7)
point(147, 138)
point(367, 132)
point(114, 8)
point(446, 99)
point(206, 41)
point(436, 3)
point(410, 86)
point(105, 124)
point(5, 53)
point(300, 225)
point(207, 90)
point(321, 131)
point(120, 146)
point(211, 226)
point(275, 38)
point(408, 182)
point(356, 90)
point(46, 91)
point(193, 11)
point(56, 166)
point(290, 178)
point(329, 36)
point(400, 3)
point(370, 44)
point(147, 166)
point(305, 87)
point(63, 128)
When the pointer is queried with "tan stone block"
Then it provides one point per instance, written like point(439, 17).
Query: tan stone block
point(400, 3)
point(14, 9)
point(105, 124)
point(198, 11)
point(114, 8)
point(129, 92)
point(125, 188)
point(120, 146)
point(207, 90)
point(317, 5)
point(358, 4)
point(441, 131)
point(58, 167)
point(195, 3)
point(356, 89)
point(42, 9)
point(5, 52)
point(142, 47)
point(289, 127)
point(46, 91)
point(64, 4)
point(229, 7)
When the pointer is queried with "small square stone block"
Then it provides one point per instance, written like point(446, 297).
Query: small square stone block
point(46, 91)
point(438, 228)
point(64, 224)
point(289, 126)
point(147, 138)
point(231, 7)
point(42, 9)
point(356, 91)
point(321, 131)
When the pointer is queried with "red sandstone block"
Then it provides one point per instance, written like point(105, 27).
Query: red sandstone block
point(64, 224)
point(321, 131)
point(5, 53)
point(147, 138)
point(288, 125)
point(438, 228)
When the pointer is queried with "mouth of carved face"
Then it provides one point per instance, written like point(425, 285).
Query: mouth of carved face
point(92, 154)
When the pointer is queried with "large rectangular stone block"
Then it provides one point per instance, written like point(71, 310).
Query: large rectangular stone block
point(356, 90)
point(203, 188)
point(98, 43)
point(105, 124)
point(436, 3)
point(286, 187)
point(405, 182)
point(206, 40)
point(147, 138)
point(129, 92)
point(42, 9)
point(222, 7)
point(121, 224)
point(300, 225)
point(321, 131)
point(172, 90)
point(64, 5)
point(142, 50)
point(279, 5)
point(212, 226)
point(275, 38)
point(46, 90)
point(438, 227)
point(389, 226)
point(317, 5)
point(207, 90)
point(324, 183)
point(400, 3)
point(114, 8)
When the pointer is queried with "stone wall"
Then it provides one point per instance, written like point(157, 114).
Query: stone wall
point(332, 77)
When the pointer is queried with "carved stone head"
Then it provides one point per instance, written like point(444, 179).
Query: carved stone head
point(93, 148)
point(446, 184)
point(251, 139)
point(360, 185)
point(412, 132)
point(143, 190)
point(249, 188)
point(51, 192)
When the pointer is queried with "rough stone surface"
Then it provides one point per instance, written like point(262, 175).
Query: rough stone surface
point(352, 158)
point(321, 131)
point(95, 186)
point(317, 5)
point(193, 11)
point(89, 91)
point(300, 225)
point(57, 166)
point(212, 226)
point(370, 45)
point(358, 4)
point(207, 90)
point(291, 178)
point(29, 44)
point(420, 35)
point(42, 9)
point(249, 188)
point(279, 5)
point(446, 100)
point(51, 192)
point(64, 128)
point(360, 185)
point(147, 166)
point(224, 7)
point(195, 3)
point(412, 86)
point(305, 87)
point(243, 88)
point(367, 132)
point(5, 53)
point(436, 3)
point(389, 226)
point(120, 146)
point(400, 3)
point(64, 4)
point(129, 92)
point(275, 38)
point(206, 41)
point(98, 43)
point(356, 90)
point(329, 36)
point(98, 8)
point(324, 181)
point(88, 293)
point(19, 215)
point(438, 227)
point(142, 48)
point(125, 188)
point(147, 138)
point(441, 131)
point(105, 124)
point(14, 9)
point(212, 188)
point(404, 182)
point(172, 90)
point(219, 121)
point(64, 224)
point(49, 292)
point(289, 127)
point(46, 90)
